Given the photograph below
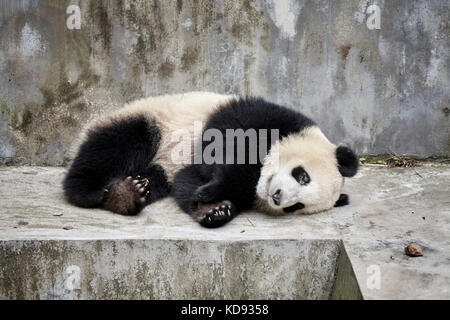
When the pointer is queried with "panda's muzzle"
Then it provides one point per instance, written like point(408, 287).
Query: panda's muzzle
point(276, 197)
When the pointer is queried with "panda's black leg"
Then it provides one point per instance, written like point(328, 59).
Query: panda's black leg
point(210, 192)
point(157, 184)
point(200, 195)
point(185, 184)
point(98, 176)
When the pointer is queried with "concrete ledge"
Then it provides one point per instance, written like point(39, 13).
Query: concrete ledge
point(170, 269)
point(163, 254)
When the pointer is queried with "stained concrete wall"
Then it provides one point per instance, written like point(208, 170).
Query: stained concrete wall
point(377, 90)
point(165, 269)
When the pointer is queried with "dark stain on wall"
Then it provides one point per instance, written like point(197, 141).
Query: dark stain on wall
point(166, 69)
point(446, 111)
point(245, 17)
point(62, 111)
point(101, 21)
point(189, 58)
point(203, 15)
point(179, 6)
point(140, 50)
point(344, 51)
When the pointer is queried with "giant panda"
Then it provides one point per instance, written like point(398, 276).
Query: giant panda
point(126, 160)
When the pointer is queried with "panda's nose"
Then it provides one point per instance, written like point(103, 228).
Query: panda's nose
point(276, 197)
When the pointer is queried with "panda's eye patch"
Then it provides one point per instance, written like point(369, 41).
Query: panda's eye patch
point(301, 175)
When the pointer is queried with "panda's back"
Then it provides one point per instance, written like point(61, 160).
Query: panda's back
point(178, 111)
point(174, 115)
point(183, 114)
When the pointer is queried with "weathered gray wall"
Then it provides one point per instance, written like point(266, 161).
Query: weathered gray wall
point(171, 269)
point(375, 89)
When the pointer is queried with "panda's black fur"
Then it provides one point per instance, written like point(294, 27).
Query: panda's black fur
point(114, 170)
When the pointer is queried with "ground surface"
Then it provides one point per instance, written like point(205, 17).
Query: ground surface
point(389, 209)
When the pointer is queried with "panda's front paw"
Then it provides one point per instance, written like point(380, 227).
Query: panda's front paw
point(215, 215)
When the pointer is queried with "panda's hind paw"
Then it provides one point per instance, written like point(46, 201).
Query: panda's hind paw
point(126, 196)
point(140, 187)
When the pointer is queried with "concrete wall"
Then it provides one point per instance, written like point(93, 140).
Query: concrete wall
point(170, 269)
point(377, 90)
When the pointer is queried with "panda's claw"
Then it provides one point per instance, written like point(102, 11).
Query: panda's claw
point(145, 182)
point(139, 184)
point(214, 215)
point(221, 210)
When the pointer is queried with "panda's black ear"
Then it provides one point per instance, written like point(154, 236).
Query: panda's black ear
point(347, 161)
point(342, 201)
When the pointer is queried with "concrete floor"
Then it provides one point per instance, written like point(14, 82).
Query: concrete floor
point(389, 209)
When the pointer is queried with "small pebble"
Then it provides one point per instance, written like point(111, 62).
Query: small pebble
point(392, 258)
point(22, 223)
point(413, 250)
point(423, 218)
point(67, 228)
point(242, 231)
point(58, 214)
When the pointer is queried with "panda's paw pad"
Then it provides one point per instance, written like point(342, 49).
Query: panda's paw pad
point(215, 215)
point(138, 187)
point(126, 196)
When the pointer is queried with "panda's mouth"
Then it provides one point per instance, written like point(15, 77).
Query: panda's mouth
point(294, 207)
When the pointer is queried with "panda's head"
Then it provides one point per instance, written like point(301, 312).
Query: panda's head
point(304, 173)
